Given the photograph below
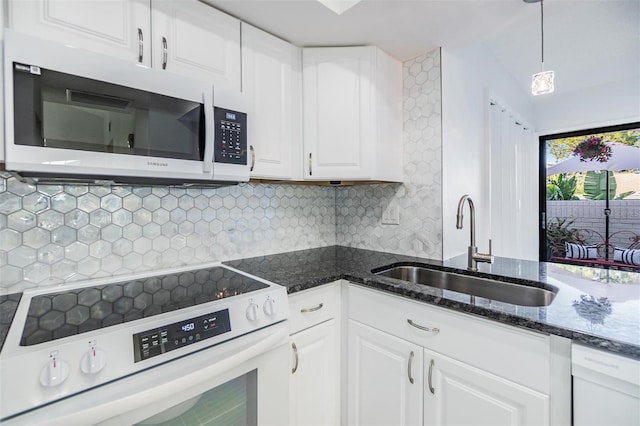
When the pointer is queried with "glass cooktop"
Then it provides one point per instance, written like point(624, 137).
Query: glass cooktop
point(57, 315)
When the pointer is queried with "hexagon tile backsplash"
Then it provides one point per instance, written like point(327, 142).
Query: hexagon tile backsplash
point(51, 234)
point(419, 199)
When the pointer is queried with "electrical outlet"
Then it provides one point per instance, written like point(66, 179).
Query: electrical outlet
point(391, 216)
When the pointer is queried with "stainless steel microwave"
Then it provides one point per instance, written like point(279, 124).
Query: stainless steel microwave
point(77, 115)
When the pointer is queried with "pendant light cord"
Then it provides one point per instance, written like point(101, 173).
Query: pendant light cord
point(542, 33)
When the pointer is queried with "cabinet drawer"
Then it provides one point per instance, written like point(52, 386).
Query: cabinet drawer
point(509, 352)
point(311, 307)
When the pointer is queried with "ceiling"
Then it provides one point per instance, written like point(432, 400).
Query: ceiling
point(587, 42)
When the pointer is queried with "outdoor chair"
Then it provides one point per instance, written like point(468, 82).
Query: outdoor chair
point(620, 251)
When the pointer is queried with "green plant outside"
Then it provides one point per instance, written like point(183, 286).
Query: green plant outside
point(595, 187)
point(559, 232)
point(562, 188)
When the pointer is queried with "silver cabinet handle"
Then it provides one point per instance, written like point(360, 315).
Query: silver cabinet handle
point(295, 353)
point(409, 368)
point(164, 53)
point(140, 45)
point(420, 327)
point(310, 165)
point(253, 157)
point(431, 389)
point(315, 308)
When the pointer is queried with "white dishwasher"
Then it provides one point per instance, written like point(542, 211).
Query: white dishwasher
point(606, 388)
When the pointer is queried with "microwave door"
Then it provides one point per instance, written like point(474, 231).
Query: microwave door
point(85, 121)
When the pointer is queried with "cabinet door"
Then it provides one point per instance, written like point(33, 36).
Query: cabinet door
point(339, 112)
point(119, 28)
point(459, 394)
point(271, 80)
point(195, 40)
point(314, 386)
point(385, 378)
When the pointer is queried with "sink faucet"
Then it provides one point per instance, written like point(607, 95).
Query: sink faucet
point(473, 256)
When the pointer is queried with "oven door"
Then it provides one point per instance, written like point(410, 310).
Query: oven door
point(240, 382)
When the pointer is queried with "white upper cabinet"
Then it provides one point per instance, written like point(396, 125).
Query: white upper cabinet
point(120, 28)
point(186, 37)
point(271, 79)
point(352, 114)
point(193, 39)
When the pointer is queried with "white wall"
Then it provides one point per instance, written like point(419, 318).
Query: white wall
point(468, 76)
point(614, 103)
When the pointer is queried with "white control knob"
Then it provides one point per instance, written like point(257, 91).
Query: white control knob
point(269, 307)
point(253, 312)
point(93, 361)
point(55, 372)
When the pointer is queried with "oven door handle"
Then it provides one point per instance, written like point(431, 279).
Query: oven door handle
point(124, 401)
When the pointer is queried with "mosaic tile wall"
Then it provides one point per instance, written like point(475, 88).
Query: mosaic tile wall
point(51, 234)
point(359, 209)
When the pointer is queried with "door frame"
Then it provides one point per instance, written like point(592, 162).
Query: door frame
point(542, 174)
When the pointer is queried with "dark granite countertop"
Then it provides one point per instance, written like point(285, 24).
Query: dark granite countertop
point(593, 306)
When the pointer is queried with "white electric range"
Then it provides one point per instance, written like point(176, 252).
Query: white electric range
point(170, 346)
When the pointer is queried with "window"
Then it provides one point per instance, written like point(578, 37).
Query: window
point(590, 196)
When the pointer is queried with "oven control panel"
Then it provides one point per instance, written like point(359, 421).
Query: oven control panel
point(157, 341)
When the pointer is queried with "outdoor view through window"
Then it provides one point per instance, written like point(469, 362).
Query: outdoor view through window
point(592, 205)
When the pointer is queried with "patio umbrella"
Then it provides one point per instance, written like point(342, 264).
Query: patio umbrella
point(623, 157)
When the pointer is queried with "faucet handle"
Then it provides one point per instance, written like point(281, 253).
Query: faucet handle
point(490, 254)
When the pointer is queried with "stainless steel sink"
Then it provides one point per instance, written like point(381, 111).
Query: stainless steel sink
point(517, 294)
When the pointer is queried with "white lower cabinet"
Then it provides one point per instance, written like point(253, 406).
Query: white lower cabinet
point(396, 382)
point(409, 363)
point(413, 363)
point(315, 356)
point(459, 394)
point(385, 378)
point(315, 376)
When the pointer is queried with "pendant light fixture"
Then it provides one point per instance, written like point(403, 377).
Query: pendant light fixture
point(339, 6)
point(542, 82)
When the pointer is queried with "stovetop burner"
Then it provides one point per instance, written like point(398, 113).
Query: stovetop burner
point(57, 315)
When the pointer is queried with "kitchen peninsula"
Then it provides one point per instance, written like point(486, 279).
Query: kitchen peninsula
point(613, 327)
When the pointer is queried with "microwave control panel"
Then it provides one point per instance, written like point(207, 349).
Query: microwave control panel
point(231, 136)
point(157, 341)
